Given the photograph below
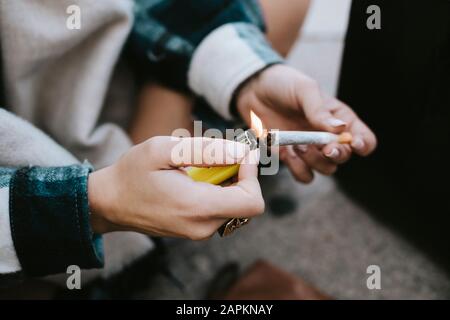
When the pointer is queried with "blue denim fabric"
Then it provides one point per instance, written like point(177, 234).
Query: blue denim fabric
point(49, 215)
point(166, 33)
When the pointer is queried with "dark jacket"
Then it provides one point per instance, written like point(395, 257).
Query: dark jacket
point(398, 80)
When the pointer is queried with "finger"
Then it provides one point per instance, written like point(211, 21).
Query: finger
point(241, 200)
point(300, 170)
point(364, 140)
point(315, 159)
point(337, 153)
point(249, 167)
point(169, 152)
point(315, 111)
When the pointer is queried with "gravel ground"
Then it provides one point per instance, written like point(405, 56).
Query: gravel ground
point(327, 240)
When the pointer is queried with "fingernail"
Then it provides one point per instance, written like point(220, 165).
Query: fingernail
point(334, 153)
point(336, 123)
point(301, 148)
point(358, 143)
point(236, 150)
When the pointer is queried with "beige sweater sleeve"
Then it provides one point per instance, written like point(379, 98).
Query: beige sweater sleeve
point(57, 78)
point(57, 83)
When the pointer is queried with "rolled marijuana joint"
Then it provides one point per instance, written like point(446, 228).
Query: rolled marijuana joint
point(273, 138)
point(286, 138)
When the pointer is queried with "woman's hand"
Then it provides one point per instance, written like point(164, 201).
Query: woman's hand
point(145, 191)
point(286, 99)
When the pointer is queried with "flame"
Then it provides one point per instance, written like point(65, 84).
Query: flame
point(257, 124)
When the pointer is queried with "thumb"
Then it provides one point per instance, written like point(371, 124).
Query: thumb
point(200, 152)
point(243, 199)
point(315, 111)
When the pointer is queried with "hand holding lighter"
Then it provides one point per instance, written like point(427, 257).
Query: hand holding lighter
point(218, 175)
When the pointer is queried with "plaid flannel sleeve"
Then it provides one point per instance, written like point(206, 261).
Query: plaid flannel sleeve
point(207, 46)
point(44, 221)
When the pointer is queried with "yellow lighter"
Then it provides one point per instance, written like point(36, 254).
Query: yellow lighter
point(214, 175)
point(219, 175)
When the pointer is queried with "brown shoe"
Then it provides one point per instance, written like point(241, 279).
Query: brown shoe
point(264, 281)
